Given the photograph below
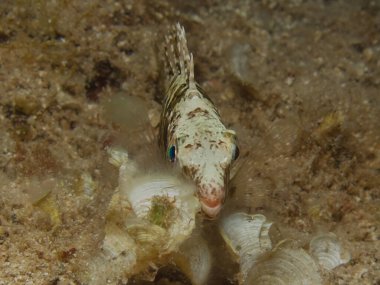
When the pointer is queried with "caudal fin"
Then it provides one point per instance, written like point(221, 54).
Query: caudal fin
point(179, 61)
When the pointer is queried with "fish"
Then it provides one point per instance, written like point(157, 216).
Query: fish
point(191, 131)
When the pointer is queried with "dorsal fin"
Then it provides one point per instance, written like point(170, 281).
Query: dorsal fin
point(179, 61)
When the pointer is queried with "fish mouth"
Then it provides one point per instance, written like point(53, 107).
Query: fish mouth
point(211, 208)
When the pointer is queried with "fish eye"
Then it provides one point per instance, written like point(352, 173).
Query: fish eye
point(235, 153)
point(171, 153)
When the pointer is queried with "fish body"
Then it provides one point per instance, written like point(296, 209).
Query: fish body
point(191, 131)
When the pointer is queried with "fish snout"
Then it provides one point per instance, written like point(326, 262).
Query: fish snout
point(211, 203)
point(211, 208)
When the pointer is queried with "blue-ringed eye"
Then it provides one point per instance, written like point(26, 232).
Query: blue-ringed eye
point(171, 153)
point(235, 153)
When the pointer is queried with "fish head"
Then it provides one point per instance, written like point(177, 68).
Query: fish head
point(207, 161)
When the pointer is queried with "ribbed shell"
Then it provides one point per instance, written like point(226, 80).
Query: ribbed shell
point(247, 236)
point(194, 258)
point(284, 266)
point(182, 205)
point(328, 251)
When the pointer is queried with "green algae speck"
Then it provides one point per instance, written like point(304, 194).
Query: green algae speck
point(162, 212)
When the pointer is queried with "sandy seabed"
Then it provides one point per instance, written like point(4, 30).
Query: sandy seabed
point(298, 80)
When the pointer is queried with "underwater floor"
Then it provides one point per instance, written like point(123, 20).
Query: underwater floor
point(299, 81)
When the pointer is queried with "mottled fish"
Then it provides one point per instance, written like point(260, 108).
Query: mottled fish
point(191, 131)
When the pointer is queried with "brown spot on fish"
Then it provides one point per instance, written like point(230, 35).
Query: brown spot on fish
point(190, 171)
point(196, 111)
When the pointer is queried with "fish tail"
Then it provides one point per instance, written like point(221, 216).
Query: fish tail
point(179, 61)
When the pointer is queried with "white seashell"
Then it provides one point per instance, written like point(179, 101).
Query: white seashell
point(284, 266)
point(149, 217)
point(88, 184)
point(247, 236)
point(328, 251)
point(165, 202)
point(151, 239)
point(194, 259)
point(117, 157)
point(117, 244)
point(116, 261)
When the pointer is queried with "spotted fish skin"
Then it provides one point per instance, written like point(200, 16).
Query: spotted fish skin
point(191, 131)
